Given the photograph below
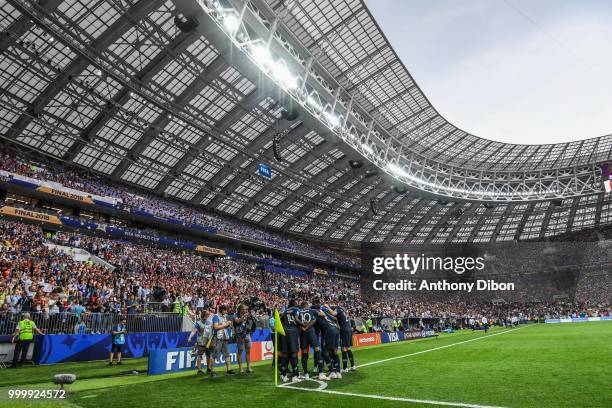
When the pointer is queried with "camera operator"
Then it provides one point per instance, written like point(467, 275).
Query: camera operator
point(244, 325)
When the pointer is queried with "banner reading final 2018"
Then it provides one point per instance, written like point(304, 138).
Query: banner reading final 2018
point(30, 215)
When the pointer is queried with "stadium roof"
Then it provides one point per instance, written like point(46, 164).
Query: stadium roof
point(117, 87)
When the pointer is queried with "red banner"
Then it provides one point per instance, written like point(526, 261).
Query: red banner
point(262, 350)
point(366, 339)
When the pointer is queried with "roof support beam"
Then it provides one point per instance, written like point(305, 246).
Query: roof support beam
point(236, 163)
point(76, 66)
point(598, 209)
point(392, 99)
point(572, 214)
point(511, 207)
point(213, 71)
point(298, 167)
point(411, 213)
point(466, 215)
point(385, 218)
point(343, 76)
point(294, 135)
point(302, 162)
point(355, 228)
point(376, 190)
point(468, 158)
point(178, 45)
point(312, 203)
point(337, 26)
point(420, 138)
point(523, 221)
point(373, 75)
point(251, 168)
point(420, 223)
point(443, 222)
point(304, 188)
point(181, 101)
point(546, 221)
point(481, 220)
point(21, 25)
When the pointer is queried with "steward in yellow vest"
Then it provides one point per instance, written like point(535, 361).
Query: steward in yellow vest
point(185, 310)
point(397, 323)
point(23, 337)
point(176, 308)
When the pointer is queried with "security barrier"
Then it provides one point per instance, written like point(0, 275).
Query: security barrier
point(93, 323)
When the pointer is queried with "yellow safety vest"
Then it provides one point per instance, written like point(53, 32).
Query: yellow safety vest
point(185, 310)
point(26, 330)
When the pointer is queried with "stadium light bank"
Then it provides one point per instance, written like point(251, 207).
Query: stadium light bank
point(277, 69)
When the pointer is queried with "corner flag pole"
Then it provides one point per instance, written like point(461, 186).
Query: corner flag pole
point(276, 357)
point(278, 328)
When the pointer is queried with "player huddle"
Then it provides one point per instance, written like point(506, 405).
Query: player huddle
point(321, 328)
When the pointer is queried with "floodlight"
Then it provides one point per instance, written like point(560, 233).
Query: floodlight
point(231, 23)
point(397, 170)
point(367, 148)
point(262, 55)
point(312, 101)
point(333, 120)
point(283, 75)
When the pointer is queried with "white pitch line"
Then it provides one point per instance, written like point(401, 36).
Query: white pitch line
point(374, 396)
point(437, 348)
point(417, 401)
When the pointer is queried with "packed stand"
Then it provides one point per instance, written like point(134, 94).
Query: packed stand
point(162, 207)
point(148, 279)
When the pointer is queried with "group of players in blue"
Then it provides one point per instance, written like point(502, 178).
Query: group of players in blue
point(321, 328)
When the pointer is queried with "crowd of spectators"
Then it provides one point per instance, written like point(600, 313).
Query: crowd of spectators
point(161, 207)
point(37, 277)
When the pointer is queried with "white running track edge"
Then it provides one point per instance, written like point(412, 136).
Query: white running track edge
point(418, 401)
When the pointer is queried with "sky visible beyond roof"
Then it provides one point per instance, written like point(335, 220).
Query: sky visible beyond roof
point(516, 71)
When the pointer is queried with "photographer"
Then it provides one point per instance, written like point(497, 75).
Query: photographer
point(202, 329)
point(222, 328)
point(244, 324)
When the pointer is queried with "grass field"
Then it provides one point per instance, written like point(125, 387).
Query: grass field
point(564, 365)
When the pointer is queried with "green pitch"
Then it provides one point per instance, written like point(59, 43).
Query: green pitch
point(564, 365)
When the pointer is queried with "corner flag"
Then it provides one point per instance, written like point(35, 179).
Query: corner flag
point(278, 326)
